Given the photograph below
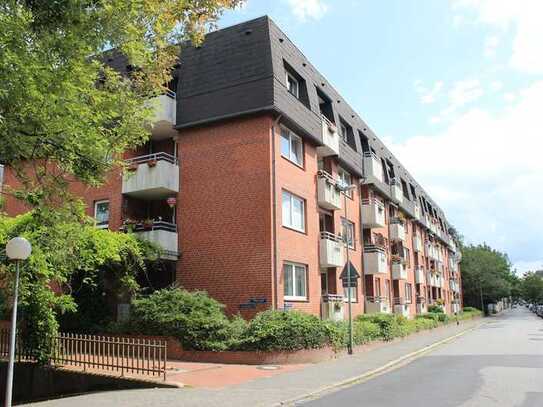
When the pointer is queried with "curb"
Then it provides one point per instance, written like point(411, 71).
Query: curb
point(375, 372)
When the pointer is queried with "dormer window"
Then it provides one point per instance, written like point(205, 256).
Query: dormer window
point(293, 86)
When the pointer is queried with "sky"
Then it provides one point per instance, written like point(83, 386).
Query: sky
point(455, 90)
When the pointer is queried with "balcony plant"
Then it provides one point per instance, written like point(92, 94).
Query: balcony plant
point(132, 167)
point(148, 224)
point(129, 224)
point(151, 163)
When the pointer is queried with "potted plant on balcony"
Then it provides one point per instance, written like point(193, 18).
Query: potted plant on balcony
point(152, 162)
point(148, 224)
point(132, 167)
point(129, 225)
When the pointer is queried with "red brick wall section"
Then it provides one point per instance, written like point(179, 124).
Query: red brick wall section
point(224, 212)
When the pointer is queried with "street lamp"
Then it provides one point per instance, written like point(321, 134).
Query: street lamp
point(17, 249)
point(344, 188)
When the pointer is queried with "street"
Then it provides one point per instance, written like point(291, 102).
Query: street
point(498, 364)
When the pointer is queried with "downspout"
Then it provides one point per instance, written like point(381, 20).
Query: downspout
point(363, 275)
point(274, 216)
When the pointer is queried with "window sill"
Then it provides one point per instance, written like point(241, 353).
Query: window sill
point(296, 299)
point(295, 230)
point(300, 166)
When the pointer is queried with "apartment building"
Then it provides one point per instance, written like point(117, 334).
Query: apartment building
point(239, 184)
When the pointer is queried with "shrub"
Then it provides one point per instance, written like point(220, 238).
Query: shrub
point(435, 309)
point(389, 325)
point(285, 330)
point(470, 309)
point(194, 318)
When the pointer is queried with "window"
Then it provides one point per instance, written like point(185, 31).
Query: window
point(295, 281)
point(324, 283)
point(101, 213)
point(292, 147)
point(348, 232)
point(343, 131)
point(345, 179)
point(293, 212)
point(377, 287)
point(354, 294)
point(293, 86)
point(408, 293)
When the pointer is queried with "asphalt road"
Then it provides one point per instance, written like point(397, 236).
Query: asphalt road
point(500, 364)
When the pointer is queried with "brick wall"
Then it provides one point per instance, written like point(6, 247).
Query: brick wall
point(224, 211)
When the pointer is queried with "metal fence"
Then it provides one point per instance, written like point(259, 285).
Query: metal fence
point(124, 355)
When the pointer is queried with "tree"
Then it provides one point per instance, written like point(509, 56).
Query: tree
point(64, 245)
point(62, 108)
point(486, 275)
point(531, 288)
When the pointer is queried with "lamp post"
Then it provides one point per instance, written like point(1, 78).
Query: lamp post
point(17, 249)
point(344, 188)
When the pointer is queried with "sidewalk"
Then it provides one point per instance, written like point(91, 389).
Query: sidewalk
point(279, 388)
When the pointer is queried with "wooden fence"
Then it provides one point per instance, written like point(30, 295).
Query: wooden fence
point(125, 355)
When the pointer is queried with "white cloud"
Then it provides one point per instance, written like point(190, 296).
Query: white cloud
point(524, 266)
point(308, 9)
point(491, 43)
point(428, 95)
point(496, 86)
point(485, 170)
point(524, 17)
point(464, 92)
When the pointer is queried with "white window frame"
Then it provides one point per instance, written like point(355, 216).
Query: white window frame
point(291, 79)
point(96, 203)
point(343, 131)
point(293, 141)
point(351, 227)
point(294, 297)
point(408, 292)
point(342, 179)
point(292, 198)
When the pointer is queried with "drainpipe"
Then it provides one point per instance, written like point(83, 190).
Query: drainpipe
point(274, 215)
point(363, 275)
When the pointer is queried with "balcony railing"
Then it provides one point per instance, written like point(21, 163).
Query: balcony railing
point(399, 270)
point(420, 275)
point(397, 230)
point(151, 176)
point(396, 192)
point(328, 195)
point(330, 139)
point(163, 234)
point(373, 169)
point(417, 243)
point(373, 213)
point(375, 260)
point(377, 304)
point(330, 250)
point(164, 119)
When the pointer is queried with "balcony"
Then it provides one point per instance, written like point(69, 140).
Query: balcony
point(397, 230)
point(164, 115)
point(416, 210)
point(375, 260)
point(377, 305)
point(332, 306)
point(421, 305)
point(455, 307)
point(396, 193)
point(373, 213)
point(399, 271)
point(417, 243)
point(431, 251)
point(440, 268)
point(162, 234)
point(327, 194)
point(330, 139)
point(419, 275)
point(373, 169)
point(330, 250)
point(401, 307)
point(431, 279)
point(153, 176)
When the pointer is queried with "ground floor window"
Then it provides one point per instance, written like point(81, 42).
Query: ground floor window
point(295, 281)
point(101, 213)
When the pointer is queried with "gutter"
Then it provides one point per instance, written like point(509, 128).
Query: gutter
point(274, 214)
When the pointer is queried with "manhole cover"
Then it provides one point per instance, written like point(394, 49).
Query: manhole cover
point(269, 367)
point(176, 370)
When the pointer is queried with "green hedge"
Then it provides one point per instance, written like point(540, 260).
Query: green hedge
point(199, 322)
